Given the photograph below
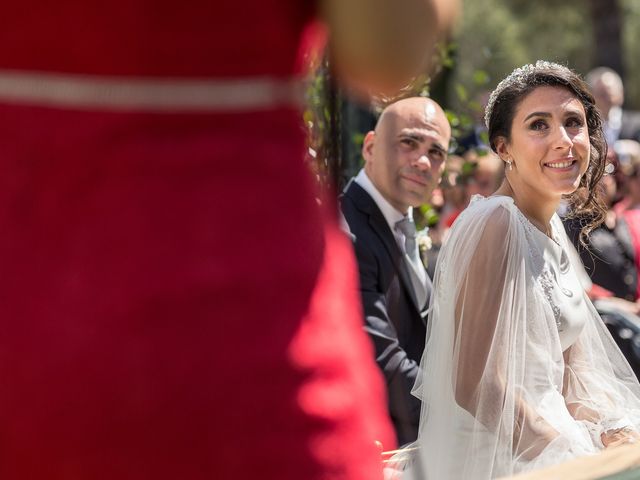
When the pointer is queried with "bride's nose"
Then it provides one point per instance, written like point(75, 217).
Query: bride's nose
point(562, 138)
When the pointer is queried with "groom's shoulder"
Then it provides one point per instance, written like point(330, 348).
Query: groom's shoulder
point(354, 217)
point(356, 205)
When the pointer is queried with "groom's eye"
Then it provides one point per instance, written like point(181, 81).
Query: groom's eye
point(409, 142)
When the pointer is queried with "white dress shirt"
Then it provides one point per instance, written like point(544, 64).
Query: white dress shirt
point(392, 216)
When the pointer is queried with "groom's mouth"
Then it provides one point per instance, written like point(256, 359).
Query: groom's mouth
point(416, 179)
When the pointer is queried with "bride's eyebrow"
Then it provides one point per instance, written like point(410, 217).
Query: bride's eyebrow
point(537, 114)
point(574, 111)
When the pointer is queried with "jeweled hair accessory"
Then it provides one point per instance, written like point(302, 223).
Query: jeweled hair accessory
point(519, 75)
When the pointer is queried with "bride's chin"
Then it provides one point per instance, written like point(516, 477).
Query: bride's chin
point(568, 189)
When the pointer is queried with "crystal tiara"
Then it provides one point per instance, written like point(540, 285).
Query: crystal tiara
point(517, 76)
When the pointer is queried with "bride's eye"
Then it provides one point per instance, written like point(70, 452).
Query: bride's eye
point(538, 125)
point(574, 122)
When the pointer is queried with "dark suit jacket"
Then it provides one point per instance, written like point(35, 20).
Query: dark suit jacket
point(392, 319)
point(609, 258)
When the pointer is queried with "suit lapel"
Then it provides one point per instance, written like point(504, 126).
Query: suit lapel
point(379, 225)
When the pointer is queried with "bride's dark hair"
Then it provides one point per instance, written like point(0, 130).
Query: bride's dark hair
point(499, 116)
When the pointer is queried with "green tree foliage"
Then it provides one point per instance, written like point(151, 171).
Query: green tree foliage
point(631, 50)
point(495, 36)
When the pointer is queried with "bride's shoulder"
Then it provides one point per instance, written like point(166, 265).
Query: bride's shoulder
point(487, 229)
point(491, 202)
point(488, 224)
point(496, 209)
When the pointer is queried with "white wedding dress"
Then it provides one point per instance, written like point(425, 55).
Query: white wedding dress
point(519, 372)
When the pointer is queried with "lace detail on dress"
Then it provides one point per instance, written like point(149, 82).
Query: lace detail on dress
point(544, 278)
point(546, 283)
point(594, 431)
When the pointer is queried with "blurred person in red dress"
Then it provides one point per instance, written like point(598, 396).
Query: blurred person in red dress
point(140, 338)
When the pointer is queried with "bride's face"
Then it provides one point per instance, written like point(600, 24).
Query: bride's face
point(549, 144)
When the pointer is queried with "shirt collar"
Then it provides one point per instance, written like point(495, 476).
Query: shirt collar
point(391, 215)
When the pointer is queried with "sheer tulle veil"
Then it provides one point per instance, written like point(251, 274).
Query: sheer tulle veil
point(500, 396)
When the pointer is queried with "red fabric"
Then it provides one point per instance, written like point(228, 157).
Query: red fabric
point(621, 206)
point(313, 41)
point(596, 292)
point(174, 304)
point(223, 38)
point(448, 221)
point(632, 218)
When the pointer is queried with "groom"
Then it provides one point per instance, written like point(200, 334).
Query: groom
point(404, 159)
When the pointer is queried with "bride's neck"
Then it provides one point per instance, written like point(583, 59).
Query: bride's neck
point(534, 206)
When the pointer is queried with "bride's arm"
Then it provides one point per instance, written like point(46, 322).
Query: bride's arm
point(589, 392)
point(590, 379)
point(491, 340)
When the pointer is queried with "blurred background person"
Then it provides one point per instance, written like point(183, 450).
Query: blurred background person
point(476, 138)
point(629, 206)
point(141, 339)
point(487, 175)
point(610, 254)
point(625, 154)
point(608, 257)
point(454, 194)
point(608, 90)
point(464, 177)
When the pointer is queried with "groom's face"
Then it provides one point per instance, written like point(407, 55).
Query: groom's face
point(405, 156)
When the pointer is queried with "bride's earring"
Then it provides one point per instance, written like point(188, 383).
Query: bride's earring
point(510, 164)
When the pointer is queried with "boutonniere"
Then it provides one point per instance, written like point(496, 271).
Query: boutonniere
point(423, 239)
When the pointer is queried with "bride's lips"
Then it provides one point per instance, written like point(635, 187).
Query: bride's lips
point(562, 164)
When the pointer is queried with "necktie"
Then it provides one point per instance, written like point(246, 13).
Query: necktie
point(418, 274)
point(408, 229)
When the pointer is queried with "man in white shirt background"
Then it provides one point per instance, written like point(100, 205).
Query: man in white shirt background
point(608, 91)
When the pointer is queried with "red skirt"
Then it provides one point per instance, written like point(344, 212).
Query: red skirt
point(175, 305)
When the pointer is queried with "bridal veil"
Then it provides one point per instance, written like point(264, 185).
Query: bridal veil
point(500, 396)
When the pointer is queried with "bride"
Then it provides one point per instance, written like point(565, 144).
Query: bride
point(519, 371)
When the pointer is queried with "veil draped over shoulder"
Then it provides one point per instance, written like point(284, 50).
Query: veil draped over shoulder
point(500, 396)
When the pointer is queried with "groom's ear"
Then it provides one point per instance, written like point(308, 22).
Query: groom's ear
point(367, 145)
